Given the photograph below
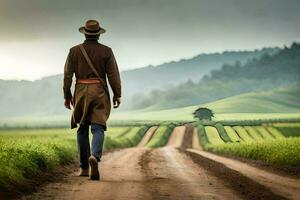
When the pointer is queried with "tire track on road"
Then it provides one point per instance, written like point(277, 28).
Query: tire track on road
point(173, 175)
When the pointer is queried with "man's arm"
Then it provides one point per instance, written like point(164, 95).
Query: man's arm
point(114, 80)
point(68, 75)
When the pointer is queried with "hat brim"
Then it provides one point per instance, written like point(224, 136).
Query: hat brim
point(82, 30)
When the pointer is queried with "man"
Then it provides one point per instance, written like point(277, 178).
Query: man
point(91, 62)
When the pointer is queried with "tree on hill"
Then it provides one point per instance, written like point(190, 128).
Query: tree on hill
point(203, 114)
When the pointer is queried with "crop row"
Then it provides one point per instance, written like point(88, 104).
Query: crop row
point(272, 144)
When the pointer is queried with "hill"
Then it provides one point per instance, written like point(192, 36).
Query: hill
point(277, 103)
point(44, 97)
point(268, 72)
point(282, 100)
point(172, 73)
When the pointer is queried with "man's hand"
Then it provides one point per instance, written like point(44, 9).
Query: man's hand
point(117, 102)
point(68, 103)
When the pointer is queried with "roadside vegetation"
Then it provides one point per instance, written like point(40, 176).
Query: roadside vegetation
point(270, 143)
point(23, 154)
point(128, 138)
point(161, 135)
point(279, 152)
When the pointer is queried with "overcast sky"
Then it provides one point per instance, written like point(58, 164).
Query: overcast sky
point(36, 35)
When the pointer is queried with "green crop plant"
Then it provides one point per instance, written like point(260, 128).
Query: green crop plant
point(263, 131)
point(161, 135)
point(241, 131)
point(222, 132)
point(279, 152)
point(232, 134)
point(22, 155)
point(131, 138)
point(213, 135)
point(115, 132)
point(288, 129)
point(254, 133)
point(275, 132)
point(202, 136)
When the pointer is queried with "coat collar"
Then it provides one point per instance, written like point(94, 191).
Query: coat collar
point(91, 41)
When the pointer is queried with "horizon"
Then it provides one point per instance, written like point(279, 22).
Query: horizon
point(166, 62)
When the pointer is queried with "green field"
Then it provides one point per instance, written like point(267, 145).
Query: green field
point(26, 152)
point(274, 101)
point(280, 152)
point(266, 142)
point(161, 135)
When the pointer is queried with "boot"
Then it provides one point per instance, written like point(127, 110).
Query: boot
point(94, 168)
point(84, 172)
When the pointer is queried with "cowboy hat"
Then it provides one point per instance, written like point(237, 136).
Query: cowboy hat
point(91, 27)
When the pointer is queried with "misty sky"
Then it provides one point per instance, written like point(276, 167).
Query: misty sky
point(36, 35)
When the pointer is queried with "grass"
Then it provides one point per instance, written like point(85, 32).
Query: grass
point(161, 135)
point(202, 136)
point(23, 154)
point(243, 134)
point(254, 133)
point(276, 133)
point(288, 129)
point(273, 101)
point(131, 138)
point(232, 134)
point(264, 132)
point(213, 135)
point(279, 152)
point(223, 134)
point(115, 132)
point(265, 143)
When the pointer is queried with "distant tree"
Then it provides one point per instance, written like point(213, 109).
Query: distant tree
point(203, 113)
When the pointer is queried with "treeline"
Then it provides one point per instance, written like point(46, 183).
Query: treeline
point(268, 72)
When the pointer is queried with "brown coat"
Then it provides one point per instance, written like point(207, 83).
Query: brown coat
point(91, 101)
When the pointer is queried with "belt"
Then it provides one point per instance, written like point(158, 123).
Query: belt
point(88, 80)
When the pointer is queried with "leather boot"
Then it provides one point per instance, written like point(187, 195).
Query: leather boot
point(94, 168)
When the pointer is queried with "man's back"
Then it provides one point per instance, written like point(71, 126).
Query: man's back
point(91, 63)
point(99, 55)
point(104, 62)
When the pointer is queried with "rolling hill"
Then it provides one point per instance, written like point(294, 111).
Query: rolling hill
point(277, 103)
point(268, 72)
point(282, 100)
point(172, 73)
point(44, 97)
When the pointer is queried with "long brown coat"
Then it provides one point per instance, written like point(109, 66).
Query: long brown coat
point(91, 101)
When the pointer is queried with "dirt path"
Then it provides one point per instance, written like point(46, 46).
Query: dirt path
point(195, 140)
point(173, 175)
point(176, 137)
point(286, 186)
point(170, 173)
point(121, 178)
point(278, 184)
point(148, 136)
point(141, 173)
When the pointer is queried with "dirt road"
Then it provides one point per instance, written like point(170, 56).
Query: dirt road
point(162, 173)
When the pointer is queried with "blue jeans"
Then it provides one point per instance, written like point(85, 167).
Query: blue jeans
point(84, 143)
